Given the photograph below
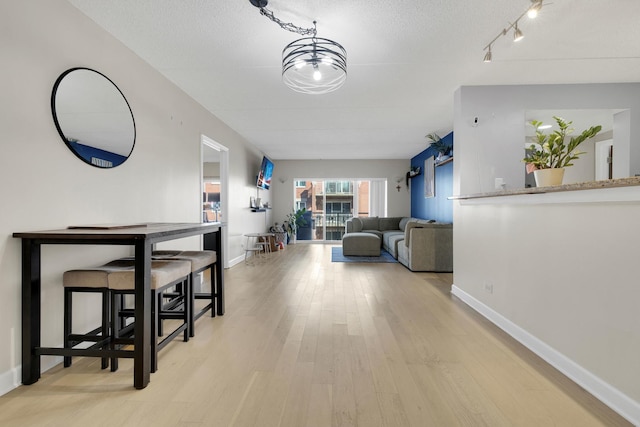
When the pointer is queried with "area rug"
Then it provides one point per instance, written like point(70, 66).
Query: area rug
point(337, 256)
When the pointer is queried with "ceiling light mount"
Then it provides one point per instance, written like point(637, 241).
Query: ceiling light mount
point(310, 65)
point(531, 12)
point(259, 3)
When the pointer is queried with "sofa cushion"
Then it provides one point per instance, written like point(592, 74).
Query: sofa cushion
point(403, 222)
point(391, 240)
point(357, 224)
point(391, 223)
point(370, 223)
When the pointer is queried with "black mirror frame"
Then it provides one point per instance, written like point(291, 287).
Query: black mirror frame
point(59, 128)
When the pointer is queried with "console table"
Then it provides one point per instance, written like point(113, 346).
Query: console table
point(142, 237)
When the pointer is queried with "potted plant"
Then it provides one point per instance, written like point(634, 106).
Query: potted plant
point(439, 145)
point(551, 153)
point(294, 220)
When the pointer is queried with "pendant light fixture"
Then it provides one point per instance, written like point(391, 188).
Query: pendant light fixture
point(518, 35)
point(310, 65)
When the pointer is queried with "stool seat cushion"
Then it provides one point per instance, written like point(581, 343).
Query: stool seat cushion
point(360, 244)
point(198, 259)
point(94, 277)
point(165, 253)
point(162, 274)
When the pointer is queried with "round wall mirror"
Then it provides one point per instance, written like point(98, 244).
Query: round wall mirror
point(93, 117)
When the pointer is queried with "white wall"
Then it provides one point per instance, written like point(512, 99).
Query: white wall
point(494, 147)
point(565, 274)
point(46, 187)
point(399, 203)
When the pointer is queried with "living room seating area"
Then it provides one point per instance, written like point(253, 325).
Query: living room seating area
point(418, 244)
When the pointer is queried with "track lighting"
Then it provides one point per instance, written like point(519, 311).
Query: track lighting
point(518, 35)
point(487, 56)
point(534, 9)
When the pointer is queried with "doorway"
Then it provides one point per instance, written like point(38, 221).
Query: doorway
point(214, 188)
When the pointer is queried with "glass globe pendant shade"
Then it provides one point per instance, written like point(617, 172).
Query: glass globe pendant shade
point(314, 65)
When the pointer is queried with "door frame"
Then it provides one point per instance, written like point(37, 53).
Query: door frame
point(224, 189)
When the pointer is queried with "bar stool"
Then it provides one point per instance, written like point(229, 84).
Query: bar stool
point(200, 261)
point(86, 281)
point(164, 275)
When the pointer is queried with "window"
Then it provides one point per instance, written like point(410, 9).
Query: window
point(339, 207)
point(339, 187)
point(331, 203)
point(334, 235)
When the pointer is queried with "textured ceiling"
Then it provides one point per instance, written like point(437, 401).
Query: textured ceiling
point(405, 60)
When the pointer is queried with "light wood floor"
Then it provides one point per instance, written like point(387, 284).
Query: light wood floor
point(307, 342)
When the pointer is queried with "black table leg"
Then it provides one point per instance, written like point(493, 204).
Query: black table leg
point(142, 327)
point(30, 311)
point(219, 273)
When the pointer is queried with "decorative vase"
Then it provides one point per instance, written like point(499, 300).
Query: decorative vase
point(548, 177)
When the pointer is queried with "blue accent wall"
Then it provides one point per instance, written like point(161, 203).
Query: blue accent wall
point(438, 207)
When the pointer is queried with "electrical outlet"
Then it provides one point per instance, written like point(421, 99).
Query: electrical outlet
point(488, 288)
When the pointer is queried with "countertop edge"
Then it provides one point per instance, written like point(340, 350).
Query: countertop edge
point(590, 185)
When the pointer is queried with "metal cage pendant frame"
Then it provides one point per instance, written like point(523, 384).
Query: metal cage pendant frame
point(314, 65)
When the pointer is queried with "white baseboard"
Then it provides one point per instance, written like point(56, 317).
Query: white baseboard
point(610, 396)
point(235, 261)
point(10, 380)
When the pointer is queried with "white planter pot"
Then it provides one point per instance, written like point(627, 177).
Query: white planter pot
point(548, 177)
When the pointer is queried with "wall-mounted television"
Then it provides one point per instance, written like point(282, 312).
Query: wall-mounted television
point(265, 174)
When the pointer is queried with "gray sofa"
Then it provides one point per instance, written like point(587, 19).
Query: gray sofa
point(420, 245)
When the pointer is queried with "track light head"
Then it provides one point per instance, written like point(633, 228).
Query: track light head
point(534, 9)
point(487, 56)
point(517, 33)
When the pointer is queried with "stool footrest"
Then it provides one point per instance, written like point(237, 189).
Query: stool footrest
point(87, 352)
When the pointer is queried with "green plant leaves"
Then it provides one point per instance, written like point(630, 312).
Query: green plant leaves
point(552, 150)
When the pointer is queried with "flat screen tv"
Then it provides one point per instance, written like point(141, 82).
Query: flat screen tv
point(265, 174)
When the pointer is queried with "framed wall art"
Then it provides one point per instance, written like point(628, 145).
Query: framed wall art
point(429, 177)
